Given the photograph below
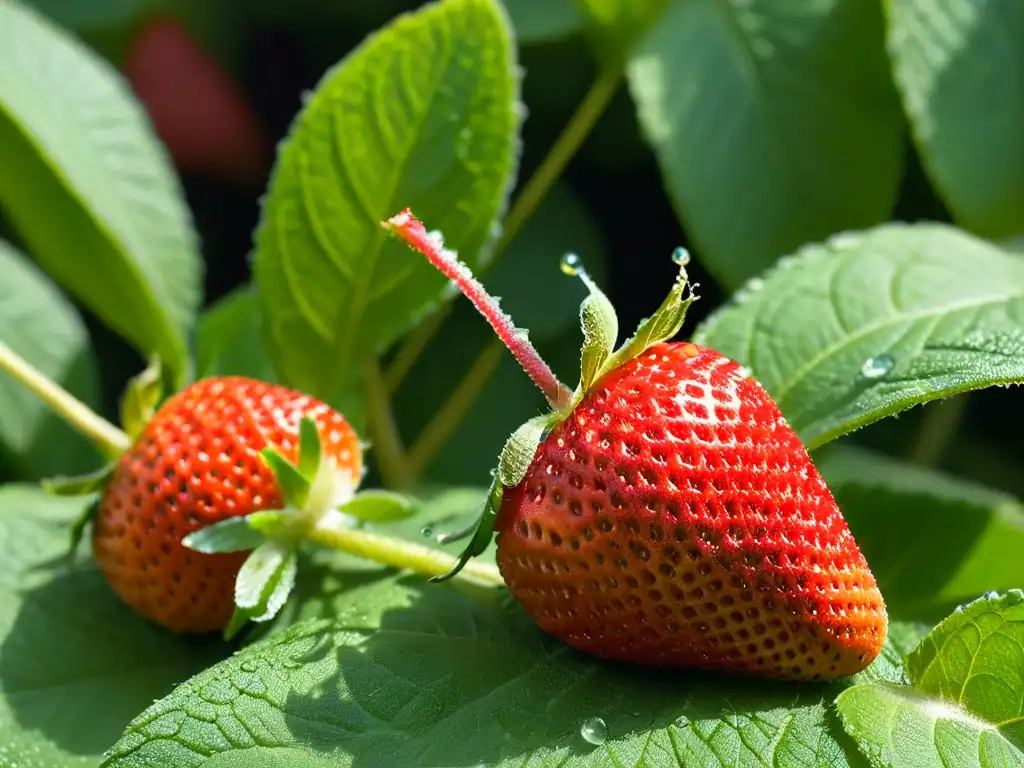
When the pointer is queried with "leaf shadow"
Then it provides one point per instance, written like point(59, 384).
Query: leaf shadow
point(449, 682)
point(76, 664)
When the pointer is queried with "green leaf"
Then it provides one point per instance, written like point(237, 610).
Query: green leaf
point(424, 114)
point(616, 24)
point(229, 338)
point(526, 276)
point(484, 533)
point(600, 327)
point(76, 663)
point(774, 123)
point(960, 71)
point(665, 323)
point(932, 540)
point(263, 584)
point(234, 534)
point(869, 324)
point(520, 449)
point(79, 485)
point(42, 327)
point(78, 150)
point(544, 21)
point(294, 486)
point(975, 658)
point(407, 674)
point(140, 399)
point(967, 700)
point(309, 448)
point(377, 506)
point(899, 727)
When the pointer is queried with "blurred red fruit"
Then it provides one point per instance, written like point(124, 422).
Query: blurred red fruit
point(202, 117)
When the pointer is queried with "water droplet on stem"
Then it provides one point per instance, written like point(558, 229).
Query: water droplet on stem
point(680, 256)
point(570, 264)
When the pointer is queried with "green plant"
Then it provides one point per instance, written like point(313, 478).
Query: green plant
point(791, 139)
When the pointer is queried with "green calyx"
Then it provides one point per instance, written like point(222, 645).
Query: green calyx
point(314, 495)
point(600, 326)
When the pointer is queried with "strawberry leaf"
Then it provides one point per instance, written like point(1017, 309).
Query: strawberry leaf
point(309, 448)
point(665, 323)
point(484, 530)
point(232, 535)
point(600, 327)
point(79, 524)
point(263, 584)
point(379, 506)
point(965, 704)
point(519, 450)
point(79, 485)
point(141, 397)
point(294, 486)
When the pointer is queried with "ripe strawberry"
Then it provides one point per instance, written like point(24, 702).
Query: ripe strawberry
point(198, 462)
point(201, 116)
point(664, 513)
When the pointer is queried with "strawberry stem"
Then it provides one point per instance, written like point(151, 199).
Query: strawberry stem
point(110, 440)
point(397, 553)
point(412, 231)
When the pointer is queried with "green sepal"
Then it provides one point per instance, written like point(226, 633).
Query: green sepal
point(235, 534)
point(309, 448)
point(600, 327)
point(294, 486)
point(263, 585)
point(78, 526)
point(377, 506)
point(79, 485)
point(484, 530)
point(520, 448)
point(141, 397)
point(665, 323)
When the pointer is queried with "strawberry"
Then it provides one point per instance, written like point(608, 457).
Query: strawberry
point(664, 513)
point(210, 457)
point(202, 117)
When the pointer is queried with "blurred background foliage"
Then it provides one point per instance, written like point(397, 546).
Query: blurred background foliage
point(223, 80)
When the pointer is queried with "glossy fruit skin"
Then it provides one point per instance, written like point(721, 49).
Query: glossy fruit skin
point(675, 519)
point(197, 462)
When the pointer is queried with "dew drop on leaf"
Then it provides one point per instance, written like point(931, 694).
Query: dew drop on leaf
point(570, 264)
point(248, 666)
point(843, 240)
point(594, 731)
point(681, 256)
point(426, 532)
point(682, 721)
point(877, 367)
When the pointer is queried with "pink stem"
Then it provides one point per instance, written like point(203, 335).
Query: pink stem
point(412, 231)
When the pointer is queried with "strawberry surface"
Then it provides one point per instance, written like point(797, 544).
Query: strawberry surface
point(197, 462)
point(675, 519)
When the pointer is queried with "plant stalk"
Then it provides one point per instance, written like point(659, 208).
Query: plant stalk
point(400, 554)
point(940, 424)
point(110, 440)
point(568, 143)
point(448, 416)
point(387, 441)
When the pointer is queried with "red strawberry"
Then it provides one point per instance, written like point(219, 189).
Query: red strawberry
point(198, 462)
point(664, 513)
point(206, 122)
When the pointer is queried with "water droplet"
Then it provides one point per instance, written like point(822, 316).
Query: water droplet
point(248, 666)
point(681, 256)
point(754, 285)
point(426, 532)
point(682, 721)
point(877, 367)
point(570, 264)
point(991, 595)
point(595, 731)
